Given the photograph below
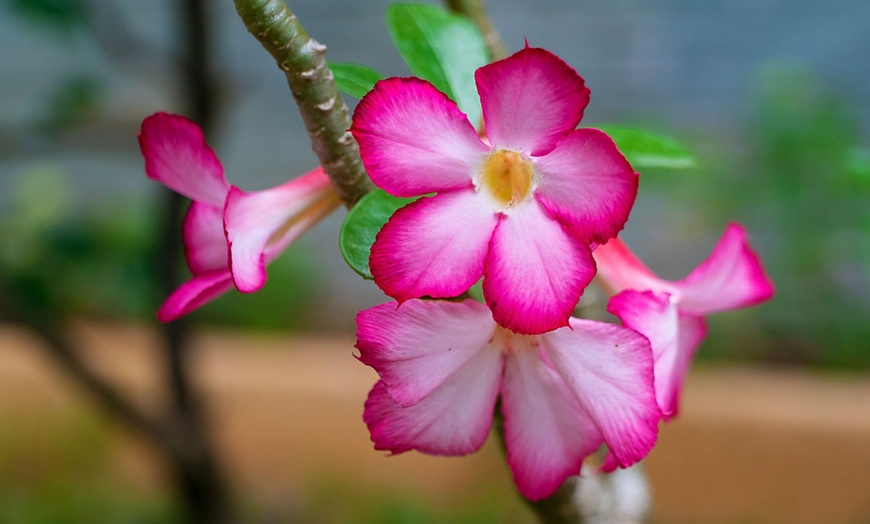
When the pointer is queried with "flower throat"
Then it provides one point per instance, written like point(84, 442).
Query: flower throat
point(507, 176)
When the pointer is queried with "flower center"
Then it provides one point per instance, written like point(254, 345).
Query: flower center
point(507, 176)
point(511, 343)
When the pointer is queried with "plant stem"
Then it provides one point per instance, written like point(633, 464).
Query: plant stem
point(325, 114)
point(476, 11)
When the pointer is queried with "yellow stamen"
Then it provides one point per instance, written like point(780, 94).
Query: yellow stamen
point(507, 176)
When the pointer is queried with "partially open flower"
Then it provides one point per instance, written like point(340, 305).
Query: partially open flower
point(671, 313)
point(229, 236)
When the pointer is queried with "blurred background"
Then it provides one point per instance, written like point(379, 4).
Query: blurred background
point(771, 96)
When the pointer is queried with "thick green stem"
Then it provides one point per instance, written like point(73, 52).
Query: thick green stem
point(325, 114)
point(476, 11)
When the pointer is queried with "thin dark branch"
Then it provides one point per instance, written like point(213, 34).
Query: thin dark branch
point(201, 481)
point(68, 355)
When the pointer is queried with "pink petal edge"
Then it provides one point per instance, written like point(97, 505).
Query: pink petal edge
point(454, 419)
point(610, 370)
point(259, 225)
point(177, 155)
point(530, 100)
point(620, 269)
point(535, 271)
point(588, 185)
point(195, 293)
point(435, 246)
point(419, 346)
point(205, 243)
point(547, 433)
point(730, 277)
point(413, 140)
point(656, 317)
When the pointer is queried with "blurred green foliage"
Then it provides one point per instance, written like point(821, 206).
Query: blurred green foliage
point(73, 101)
point(100, 261)
point(799, 176)
point(62, 469)
point(58, 471)
point(336, 501)
point(59, 16)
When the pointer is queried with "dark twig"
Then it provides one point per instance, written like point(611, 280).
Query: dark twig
point(45, 325)
point(202, 484)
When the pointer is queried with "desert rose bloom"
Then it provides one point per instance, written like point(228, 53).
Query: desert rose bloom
point(671, 313)
point(229, 235)
point(443, 364)
point(519, 207)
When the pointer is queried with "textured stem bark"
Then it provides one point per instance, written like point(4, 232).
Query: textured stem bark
point(325, 114)
point(476, 11)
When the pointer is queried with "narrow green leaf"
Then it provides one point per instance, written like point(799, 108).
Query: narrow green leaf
point(645, 149)
point(443, 48)
point(361, 225)
point(354, 79)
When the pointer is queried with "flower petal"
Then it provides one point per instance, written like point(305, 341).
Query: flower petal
point(420, 345)
point(205, 244)
point(177, 155)
point(587, 184)
point(535, 271)
point(692, 330)
point(656, 317)
point(261, 224)
point(547, 433)
point(413, 140)
point(610, 370)
point(195, 293)
point(434, 246)
point(731, 277)
point(620, 269)
point(530, 100)
point(453, 420)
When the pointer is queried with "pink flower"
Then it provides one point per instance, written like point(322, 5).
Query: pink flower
point(519, 208)
point(229, 236)
point(443, 364)
point(671, 313)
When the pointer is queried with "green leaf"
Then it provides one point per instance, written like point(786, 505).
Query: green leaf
point(63, 15)
point(645, 149)
point(353, 79)
point(443, 48)
point(361, 225)
point(858, 164)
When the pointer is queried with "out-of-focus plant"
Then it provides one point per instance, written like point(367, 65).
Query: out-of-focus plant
point(802, 179)
point(510, 190)
point(95, 262)
point(67, 261)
